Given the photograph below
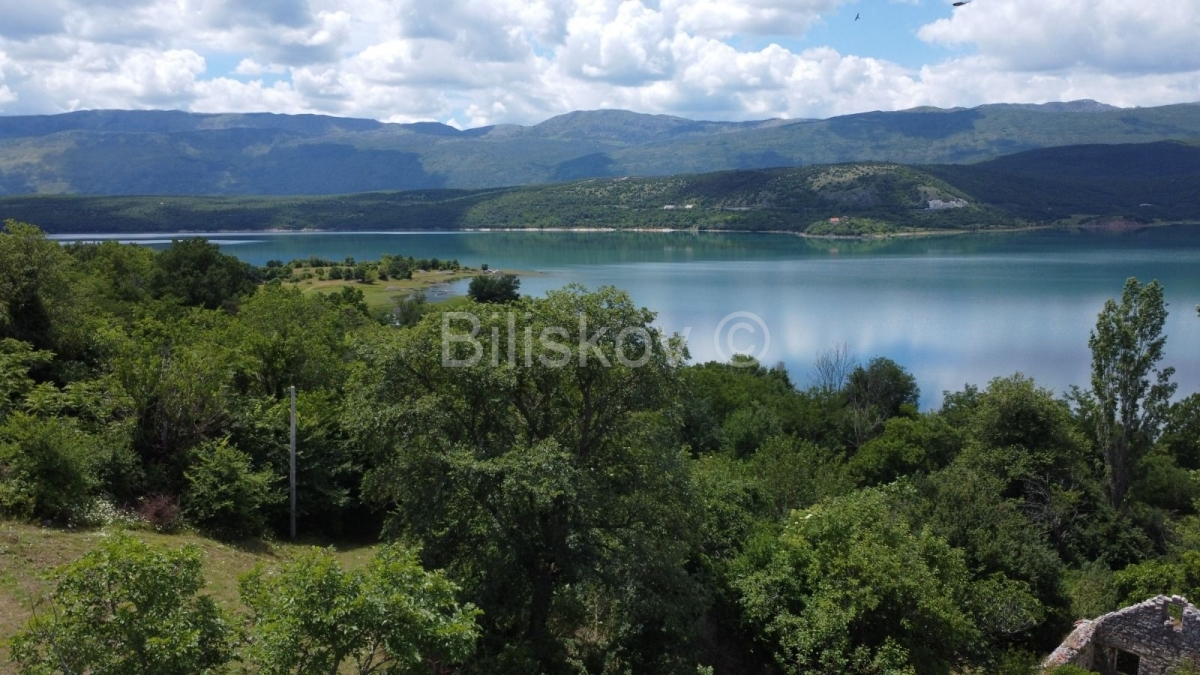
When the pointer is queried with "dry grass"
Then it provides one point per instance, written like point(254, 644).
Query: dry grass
point(28, 552)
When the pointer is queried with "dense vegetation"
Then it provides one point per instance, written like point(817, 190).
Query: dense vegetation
point(1140, 183)
point(623, 512)
point(174, 153)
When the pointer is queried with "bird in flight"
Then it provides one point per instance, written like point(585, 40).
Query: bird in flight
point(856, 16)
point(960, 3)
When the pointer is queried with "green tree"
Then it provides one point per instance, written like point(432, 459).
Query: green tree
point(17, 359)
point(876, 393)
point(852, 586)
point(127, 609)
point(196, 273)
point(409, 309)
point(392, 617)
point(1181, 433)
point(287, 338)
point(906, 446)
point(119, 277)
point(37, 298)
point(179, 374)
point(1129, 393)
point(48, 466)
point(363, 273)
point(549, 486)
point(1022, 436)
point(329, 467)
point(491, 288)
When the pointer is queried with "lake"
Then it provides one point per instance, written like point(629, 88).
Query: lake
point(953, 310)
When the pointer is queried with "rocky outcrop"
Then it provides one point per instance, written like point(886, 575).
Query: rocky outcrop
point(941, 205)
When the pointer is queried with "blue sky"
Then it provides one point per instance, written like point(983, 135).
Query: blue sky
point(475, 62)
point(885, 30)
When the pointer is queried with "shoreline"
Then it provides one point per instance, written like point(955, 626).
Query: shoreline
point(1101, 226)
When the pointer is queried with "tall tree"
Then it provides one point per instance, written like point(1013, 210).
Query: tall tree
point(196, 273)
point(36, 292)
point(1130, 393)
point(543, 480)
point(874, 394)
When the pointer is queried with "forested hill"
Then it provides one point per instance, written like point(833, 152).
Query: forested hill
point(175, 153)
point(1138, 182)
point(1151, 181)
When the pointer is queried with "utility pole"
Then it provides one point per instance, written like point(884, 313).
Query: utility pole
point(292, 464)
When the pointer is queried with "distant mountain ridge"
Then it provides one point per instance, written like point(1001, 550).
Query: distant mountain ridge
point(113, 152)
point(1125, 184)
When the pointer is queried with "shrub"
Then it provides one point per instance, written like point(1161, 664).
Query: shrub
point(1185, 668)
point(160, 512)
point(494, 289)
point(314, 616)
point(126, 608)
point(47, 469)
point(225, 495)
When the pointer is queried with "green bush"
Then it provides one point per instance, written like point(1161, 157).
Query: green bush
point(127, 609)
point(225, 495)
point(494, 289)
point(393, 616)
point(47, 467)
point(1185, 668)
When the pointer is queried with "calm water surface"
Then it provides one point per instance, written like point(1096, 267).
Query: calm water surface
point(953, 310)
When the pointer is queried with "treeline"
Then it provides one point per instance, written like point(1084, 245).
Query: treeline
point(624, 512)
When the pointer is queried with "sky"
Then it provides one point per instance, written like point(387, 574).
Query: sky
point(471, 63)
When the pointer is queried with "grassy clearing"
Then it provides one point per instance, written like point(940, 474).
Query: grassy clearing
point(382, 294)
point(28, 552)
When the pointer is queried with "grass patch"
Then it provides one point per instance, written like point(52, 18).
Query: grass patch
point(382, 294)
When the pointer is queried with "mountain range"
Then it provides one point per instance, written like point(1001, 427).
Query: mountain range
point(176, 153)
point(1123, 183)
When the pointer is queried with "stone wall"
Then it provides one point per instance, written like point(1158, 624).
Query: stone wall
point(1161, 633)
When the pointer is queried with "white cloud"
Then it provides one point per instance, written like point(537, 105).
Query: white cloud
point(624, 44)
point(250, 68)
point(223, 95)
point(978, 79)
point(129, 79)
point(490, 61)
point(1115, 36)
point(6, 94)
point(724, 18)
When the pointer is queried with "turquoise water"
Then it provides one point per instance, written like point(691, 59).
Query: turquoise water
point(953, 310)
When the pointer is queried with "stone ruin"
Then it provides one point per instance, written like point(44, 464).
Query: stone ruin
point(1149, 638)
